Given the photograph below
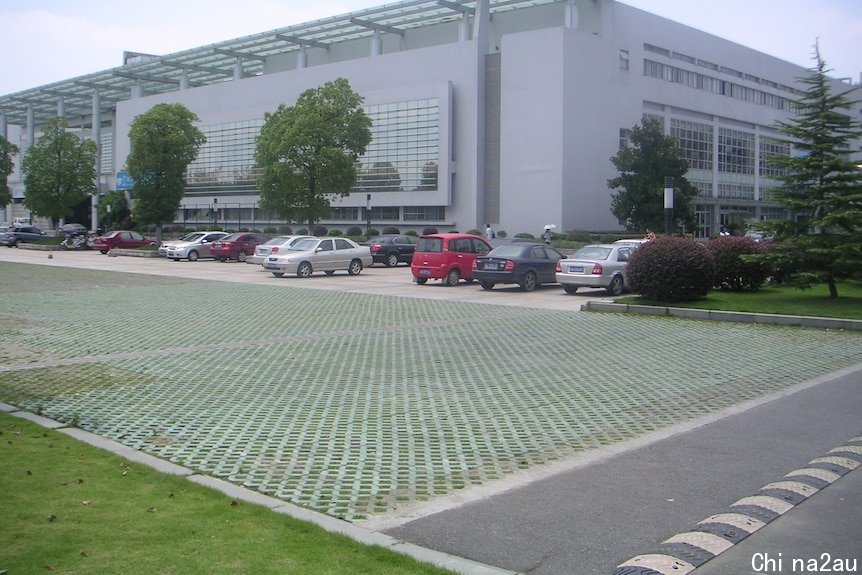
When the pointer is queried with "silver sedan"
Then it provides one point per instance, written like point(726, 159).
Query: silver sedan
point(601, 265)
point(320, 254)
point(272, 247)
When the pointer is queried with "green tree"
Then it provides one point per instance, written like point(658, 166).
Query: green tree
point(119, 210)
point(164, 141)
point(643, 164)
point(822, 187)
point(8, 150)
point(308, 151)
point(59, 172)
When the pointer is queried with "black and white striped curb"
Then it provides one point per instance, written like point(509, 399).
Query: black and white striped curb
point(685, 552)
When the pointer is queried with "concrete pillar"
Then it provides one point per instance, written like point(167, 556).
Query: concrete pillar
point(376, 44)
point(184, 81)
point(4, 127)
point(572, 16)
point(137, 90)
point(302, 58)
point(464, 28)
point(97, 138)
point(237, 69)
point(31, 127)
point(61, 107)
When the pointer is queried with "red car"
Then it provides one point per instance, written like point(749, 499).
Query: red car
point(448, 257)
point(237, 246)
point(121, 239)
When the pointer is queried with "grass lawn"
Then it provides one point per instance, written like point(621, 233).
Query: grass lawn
point(68, 508)
point(780, 300)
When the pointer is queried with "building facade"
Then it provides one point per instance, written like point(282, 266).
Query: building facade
point(483, 111)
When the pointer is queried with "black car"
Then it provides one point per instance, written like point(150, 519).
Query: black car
point(73, 230)
point(18, 234)
point(390, 249)
point(527, 265)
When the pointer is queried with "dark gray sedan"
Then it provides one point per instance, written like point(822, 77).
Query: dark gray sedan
point(21, 234)
point(528, 265)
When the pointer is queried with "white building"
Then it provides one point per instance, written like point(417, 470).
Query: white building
point(500, 111)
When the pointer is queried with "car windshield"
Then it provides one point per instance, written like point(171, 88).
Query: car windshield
point(592, 253)
point(506, 251)
point(230, 238)
point(304, 245)
point(278, 241)
point(434, 245)
point(194, 236)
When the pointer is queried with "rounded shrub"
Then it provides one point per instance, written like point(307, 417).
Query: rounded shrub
point(270, 230)
point(427, 231)
point(525, 236)
point(391, 230)
point(475, 232)
point(319, 231)
point(732, 272)
point(671, 269)
point(413, 233)
point(286, 230)
point(335, 232)
point(354, 231)
point(372, 233)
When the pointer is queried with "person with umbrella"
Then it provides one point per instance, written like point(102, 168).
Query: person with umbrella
point(547, 233)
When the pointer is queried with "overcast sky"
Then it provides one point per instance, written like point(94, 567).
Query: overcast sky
point(45, 41)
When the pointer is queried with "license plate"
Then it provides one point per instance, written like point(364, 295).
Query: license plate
point(492, 266)
point(424, 272)
point(270, 266)
point(576, 269)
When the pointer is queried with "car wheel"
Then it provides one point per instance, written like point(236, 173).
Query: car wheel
point(570, 288)
point(453, 277)
point(241, 257)
point(421, 281)
point(278, 274)
point(103, 252)
point(355, 267)
point(616, 286)
point(391, 260)
point(304, 270)
point(530, 282)
point(193, 256)
point(175, 259)
point(487, 285)
point(329, 272)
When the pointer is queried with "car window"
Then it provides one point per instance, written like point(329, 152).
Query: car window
point(212, 237)
point(461, 245)
point(592, 253)
point(341, 244)
point(538, 253)
point(479, 247)
point(304, 245)
point(623, 255)
point(136, 236)
point(433, 245)
point(325, 245)
point(506, 251)
point(553, 254)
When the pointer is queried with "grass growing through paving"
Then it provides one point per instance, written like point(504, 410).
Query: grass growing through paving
point(71, 508)
point(780, 300)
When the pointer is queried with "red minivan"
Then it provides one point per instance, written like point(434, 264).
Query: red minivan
point(448, 257)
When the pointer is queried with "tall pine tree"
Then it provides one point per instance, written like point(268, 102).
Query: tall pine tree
point(822, 187)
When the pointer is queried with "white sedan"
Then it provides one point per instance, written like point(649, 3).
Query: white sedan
point(272, 247)
point(319, 254)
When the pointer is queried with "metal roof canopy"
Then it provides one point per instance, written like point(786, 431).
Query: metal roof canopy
point(217, 62)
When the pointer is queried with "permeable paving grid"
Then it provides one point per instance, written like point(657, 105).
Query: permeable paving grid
point(357, 405)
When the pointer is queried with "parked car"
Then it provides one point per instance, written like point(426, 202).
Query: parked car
point(236, 246)
point(632, 242)
point(192, 246)
point(22, 234)
point(602, 265)
point(528, 265)
point(73, 230)
point(390, 249)
point(123, 239)
point(272, 247)
point(447, 257)
point(320, 254)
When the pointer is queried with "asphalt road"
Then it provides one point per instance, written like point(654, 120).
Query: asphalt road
point(592, 513)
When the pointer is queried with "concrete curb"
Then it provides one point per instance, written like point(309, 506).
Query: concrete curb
point(325, 522)
point(732, 316)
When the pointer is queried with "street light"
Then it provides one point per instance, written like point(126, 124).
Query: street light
point(215, 212)
point(668, 205)
point(367, 214)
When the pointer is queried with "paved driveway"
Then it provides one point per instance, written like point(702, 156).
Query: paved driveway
point(370, 405)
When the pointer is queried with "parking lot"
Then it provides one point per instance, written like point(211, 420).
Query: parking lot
point(366, 397)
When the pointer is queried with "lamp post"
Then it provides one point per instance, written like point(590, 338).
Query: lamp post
point(668, 205)
point(367, 214)
point(215, 212)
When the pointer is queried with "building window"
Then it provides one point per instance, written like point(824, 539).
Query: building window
point(771, 148)
point(424, 213)
point(695, 141)
point(226, 161)
point(735, 151)
point(735, 191)
point(624, 59)
point(344, 214)
point(388, 213)
point(403, 154)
